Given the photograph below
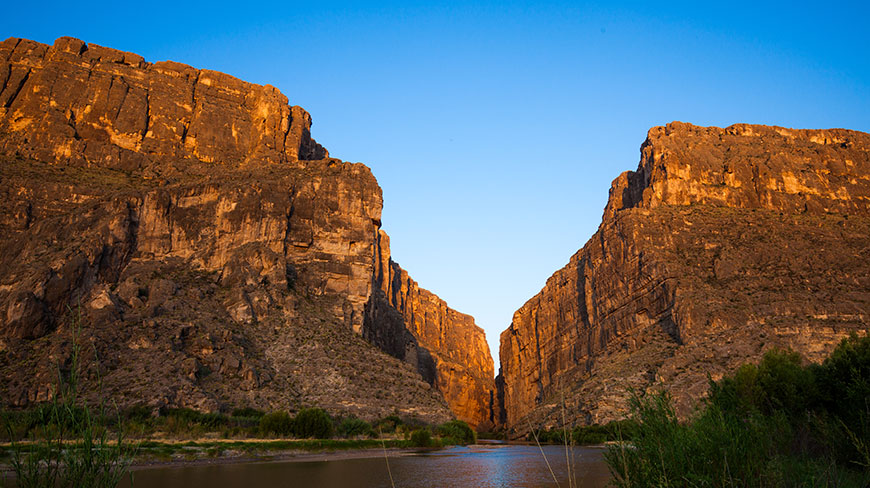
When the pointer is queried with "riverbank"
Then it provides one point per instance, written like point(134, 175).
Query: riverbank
point(275, 456)
point(168, 452)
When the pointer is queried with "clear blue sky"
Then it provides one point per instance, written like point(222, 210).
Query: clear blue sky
point(495, 128)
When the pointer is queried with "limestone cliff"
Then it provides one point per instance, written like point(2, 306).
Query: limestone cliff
point(73, 102)
point(723, 243)
point(446, 346)
point(216, 255)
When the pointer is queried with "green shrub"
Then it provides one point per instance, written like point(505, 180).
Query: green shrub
point(590, 434)
point(777, 423)
point(213, 421)
point(707, 452)
point(387, 425)
point(421, 438)
point(458, 430)
point(248, 412)
point(312, 423)
point(139, 413)
point(185, 420)
point(844, 393)
point(844, 379)
point(185, 414)
point(276, 423)
point(352, 426)
point(778, 384)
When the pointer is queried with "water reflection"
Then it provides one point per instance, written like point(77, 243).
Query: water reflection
point(494, 466)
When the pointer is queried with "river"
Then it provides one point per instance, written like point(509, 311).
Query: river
point(483, 466)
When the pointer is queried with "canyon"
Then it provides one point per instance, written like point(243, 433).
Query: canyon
point(724, 243)
point(183, 229)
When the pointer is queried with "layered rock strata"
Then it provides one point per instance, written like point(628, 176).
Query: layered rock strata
point(724, 243)
point(446, 346)
point(209, 251)
point(74, 102)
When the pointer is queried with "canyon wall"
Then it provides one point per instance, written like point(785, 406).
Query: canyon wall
point(206, 248)
point(724, 243)
point(446, 346)
point(75, 102)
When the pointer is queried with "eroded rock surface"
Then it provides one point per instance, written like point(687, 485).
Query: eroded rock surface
point(449, 350)
point(215, 254)
point(74, 102)
point(723, 244)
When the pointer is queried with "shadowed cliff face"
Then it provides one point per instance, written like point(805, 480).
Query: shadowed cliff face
point(217, 257)
point(723, 244)
point(448, 349)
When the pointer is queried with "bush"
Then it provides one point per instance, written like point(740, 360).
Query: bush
point(421, 438)
point(775, 424)
point(706, 452)
point(312, 423)
point(213, 421)
point(778, 384)
point(844, 379)
point(186, 419)
point(248, 412)
point(139, 413)
point(352, 426)
point(590, 434)
point(387, 424)
point(276, 423)
point(458, 430)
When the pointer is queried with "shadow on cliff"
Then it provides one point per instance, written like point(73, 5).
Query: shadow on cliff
point(385, 327)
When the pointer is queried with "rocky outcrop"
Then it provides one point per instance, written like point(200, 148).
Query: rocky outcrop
point(207, 250)
point(448, 349)
point(723, 244)
point(74, 102)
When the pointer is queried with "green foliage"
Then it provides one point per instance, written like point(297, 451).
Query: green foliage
point(139, 413)
point(352, 427)
point(421, 438)
point(778, 384)
point(276, 423)
point(775, 424)
point(248, 412)
point(211, 421)
point(708, 452)
point(387, 424)
point(312, 423)
point(586, 434)
point(458, 431)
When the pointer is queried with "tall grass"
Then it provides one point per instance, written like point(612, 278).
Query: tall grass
point(775, 424)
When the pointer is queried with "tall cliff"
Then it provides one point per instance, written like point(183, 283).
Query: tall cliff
point(445, 345)
point(215, 253)
point(723, 244)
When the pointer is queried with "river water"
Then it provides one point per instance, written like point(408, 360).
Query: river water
point(484, 466)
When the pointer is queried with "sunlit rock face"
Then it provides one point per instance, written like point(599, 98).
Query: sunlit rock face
point(78, 102)
point(446, 346)
point(724, 243)
point(217, 257)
